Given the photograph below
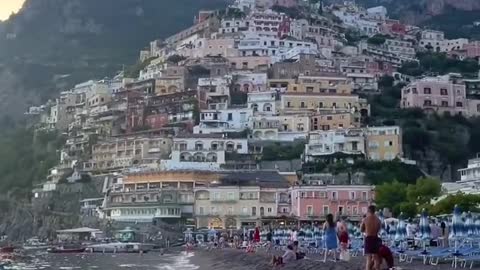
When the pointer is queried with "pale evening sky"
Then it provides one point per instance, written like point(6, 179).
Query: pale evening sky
point(9, 6)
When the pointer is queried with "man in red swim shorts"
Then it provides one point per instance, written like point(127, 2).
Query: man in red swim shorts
point(371, 226)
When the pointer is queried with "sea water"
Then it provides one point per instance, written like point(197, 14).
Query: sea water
point(87, 261)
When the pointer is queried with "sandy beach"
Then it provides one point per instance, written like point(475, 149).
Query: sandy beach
point(232, 259)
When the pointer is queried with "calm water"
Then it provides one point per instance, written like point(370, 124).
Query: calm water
point(150, 261)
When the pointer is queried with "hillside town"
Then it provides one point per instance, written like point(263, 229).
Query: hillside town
point(242, 119)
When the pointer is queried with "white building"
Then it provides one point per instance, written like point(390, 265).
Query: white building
point(277, 49)
point(203, 151)
point(469, 179)
point(225, 120)
point(153, 70)
point(436, 41)
point(250, 82)
point(324, 144)
point(377, 13)
point(262, 102)
point(367, 26)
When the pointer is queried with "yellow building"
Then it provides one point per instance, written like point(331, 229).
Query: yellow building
point(384, 143)
point(334, 120)
point(334, 84)
point(316, 102)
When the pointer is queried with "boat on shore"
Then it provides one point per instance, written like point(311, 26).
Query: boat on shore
point(66, 249)
point(120, 247)
point(35, 244)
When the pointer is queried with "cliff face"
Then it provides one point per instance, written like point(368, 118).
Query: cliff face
point(84, 39)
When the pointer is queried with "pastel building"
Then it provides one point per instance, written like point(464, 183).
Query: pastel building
point(280, 127)
point(203, 151)
point(333, 120)
point(347, 144)
point(436, 41)
point(435, 94)
point(384, 143)
point(148, 197)
point(264, 103)
point(241, 199)
point(225, 120)
point(311, 203)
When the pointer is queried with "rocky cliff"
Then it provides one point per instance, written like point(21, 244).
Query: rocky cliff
point(80, 39)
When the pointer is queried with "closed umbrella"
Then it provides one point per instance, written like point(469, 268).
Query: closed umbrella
point(477, 226)
point(425, 232)
point(382, 220)
point(401, 230)
point(392, 230)
point(469, 225)
point(457, 231)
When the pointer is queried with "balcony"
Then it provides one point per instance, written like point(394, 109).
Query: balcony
point(268, 200)
point(223, 200)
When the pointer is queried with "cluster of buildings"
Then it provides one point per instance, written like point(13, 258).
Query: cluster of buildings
point(183, 141)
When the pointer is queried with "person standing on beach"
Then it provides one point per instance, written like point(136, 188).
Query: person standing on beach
point(371, 226)
point(331, 239)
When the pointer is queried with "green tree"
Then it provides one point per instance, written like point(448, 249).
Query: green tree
point(377, 40)
point(423, 191)
point(175, 58)
point(391, 195)
point(466, 202)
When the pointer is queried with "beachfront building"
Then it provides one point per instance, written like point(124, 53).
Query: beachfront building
point(469, 179)
point(313, 202)
point(224, 120)
point(204, 152)
point(241, 199)
point(146, 197)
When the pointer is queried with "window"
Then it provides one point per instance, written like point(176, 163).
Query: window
point(309, 210)
point(320, 105)
point(201, 210)
point(230, 117)
point(326, 210)
point(269, 210)
point(364, 196)
point(244, 210)
point(427, 102)
point(459, 104)
point(334, 195)
point(230, 196)
point(444, 103)
point(254, 211)
point(288, 104)
point(239, 146)
point(230, 210)
point(329, 117)
point(443, 92)
point(427, 91)
point(352, 195)
point(213, 210)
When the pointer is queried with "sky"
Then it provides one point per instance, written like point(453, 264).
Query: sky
point(9, 6)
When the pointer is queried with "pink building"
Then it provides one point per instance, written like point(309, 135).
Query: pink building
point(472, 49)
point(315, 202)
point(435, 95)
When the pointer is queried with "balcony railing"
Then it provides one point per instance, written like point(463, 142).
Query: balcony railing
point(220, 200)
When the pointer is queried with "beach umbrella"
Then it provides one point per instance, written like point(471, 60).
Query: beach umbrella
point(392, 230)
point(469, 225)
point(477, 226)
point(458, 229)
point(425, 232)
point(401, 230)
point(457, 232)
point(308, 235)
point(424, 226)
point(382, 220)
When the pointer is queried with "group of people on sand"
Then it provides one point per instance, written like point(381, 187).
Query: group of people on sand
point(336, 233)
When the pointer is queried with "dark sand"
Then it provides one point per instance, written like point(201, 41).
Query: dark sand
point(231, 259)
